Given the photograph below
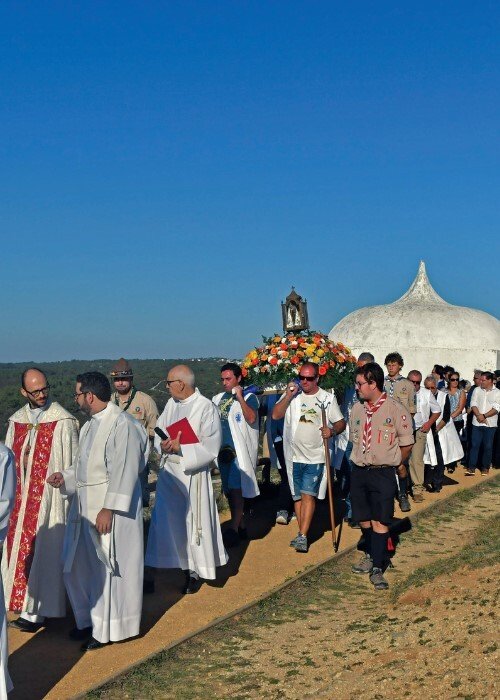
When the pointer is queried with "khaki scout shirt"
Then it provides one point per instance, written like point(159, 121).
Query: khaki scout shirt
point(391, 429)
point(142, 408)
point(403, 391)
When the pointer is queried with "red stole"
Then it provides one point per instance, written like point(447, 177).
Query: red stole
point(41, 455)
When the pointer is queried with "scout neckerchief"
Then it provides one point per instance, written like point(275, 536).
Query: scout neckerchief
point(131, 398)
point(392, 381)
point(367, 428)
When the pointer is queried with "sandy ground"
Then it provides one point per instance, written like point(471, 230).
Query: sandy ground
point(48, 664)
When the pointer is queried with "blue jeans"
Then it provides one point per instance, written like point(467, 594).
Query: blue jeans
point(306, 479)
point(481, 436)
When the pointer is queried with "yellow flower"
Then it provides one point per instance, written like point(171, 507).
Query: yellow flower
point(320, 352)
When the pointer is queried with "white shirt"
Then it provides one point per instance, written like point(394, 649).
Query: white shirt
point(308, 445)
point(486, 400)
point(433, 405)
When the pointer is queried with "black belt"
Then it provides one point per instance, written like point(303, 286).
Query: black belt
point(375, 466)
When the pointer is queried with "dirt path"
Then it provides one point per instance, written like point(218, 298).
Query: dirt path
point(267, 561)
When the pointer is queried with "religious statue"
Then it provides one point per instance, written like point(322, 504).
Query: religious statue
point(294, 312)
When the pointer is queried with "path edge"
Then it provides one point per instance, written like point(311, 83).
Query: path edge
point(244, 608)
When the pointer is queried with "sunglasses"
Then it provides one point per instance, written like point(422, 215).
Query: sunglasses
point(454, 379)
point(306, 379)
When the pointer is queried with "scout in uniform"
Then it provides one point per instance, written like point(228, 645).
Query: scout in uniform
point(382, 436)
point(137, 404)
point(401, 389)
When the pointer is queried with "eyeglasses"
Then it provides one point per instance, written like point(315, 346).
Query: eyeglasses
point(38, 392)
point(168, 382)
point(81, 393)
point(454, 379)
point(360, 384)
point(414, 381)
point(303, 378)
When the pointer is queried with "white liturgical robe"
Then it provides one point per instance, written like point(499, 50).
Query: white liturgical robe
point(103, 573)
point(7, 492)
point(185, 530)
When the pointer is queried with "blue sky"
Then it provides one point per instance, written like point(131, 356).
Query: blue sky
point(170, 169)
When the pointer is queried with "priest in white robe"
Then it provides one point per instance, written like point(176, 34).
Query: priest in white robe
point(103, 546)
point(43, 437)
point(185, 530)
point(7, 493)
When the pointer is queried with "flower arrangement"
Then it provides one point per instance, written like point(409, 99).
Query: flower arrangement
point(278, 360)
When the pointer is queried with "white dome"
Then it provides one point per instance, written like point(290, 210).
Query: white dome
point(425, 329)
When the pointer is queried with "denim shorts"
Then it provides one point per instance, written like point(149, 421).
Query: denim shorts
point(306, 479)
point(230, 476)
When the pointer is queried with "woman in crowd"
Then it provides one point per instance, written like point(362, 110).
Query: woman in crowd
point(457, 404)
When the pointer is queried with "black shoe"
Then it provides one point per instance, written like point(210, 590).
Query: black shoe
point(148, 586)
point(404, 503)
point(193, 585)
point(231, 538)
point(93, 644)
point(26, 625)
point(80, 634)
point(242, 533)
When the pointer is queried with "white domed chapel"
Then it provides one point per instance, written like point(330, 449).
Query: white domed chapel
point(426, 330)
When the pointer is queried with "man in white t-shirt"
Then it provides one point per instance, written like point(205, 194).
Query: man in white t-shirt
point(303, 437)
point(485, 405)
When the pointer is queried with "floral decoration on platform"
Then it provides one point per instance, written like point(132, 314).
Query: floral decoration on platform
point(278, 360)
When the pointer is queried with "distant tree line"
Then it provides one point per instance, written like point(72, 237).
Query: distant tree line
point(61, 377)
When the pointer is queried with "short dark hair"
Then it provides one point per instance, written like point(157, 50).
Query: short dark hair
point(447, 369)
point(489, 375)
point(372, 372)
point(314, 365)
point(234, 368)
point(394, 357)
point(366, 357)
point(31, 369)
point(438, 369)
point(96, 383)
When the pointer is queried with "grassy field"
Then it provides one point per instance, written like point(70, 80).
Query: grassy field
point(329, 634)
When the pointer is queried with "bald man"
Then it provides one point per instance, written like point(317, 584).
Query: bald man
point(44, 439)
point(185, 530)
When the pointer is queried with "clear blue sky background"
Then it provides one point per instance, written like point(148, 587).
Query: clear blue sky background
point(170, 169)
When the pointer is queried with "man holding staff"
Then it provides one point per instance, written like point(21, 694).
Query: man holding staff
point(303, 437)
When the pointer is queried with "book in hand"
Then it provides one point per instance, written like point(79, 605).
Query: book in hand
point(188, 436)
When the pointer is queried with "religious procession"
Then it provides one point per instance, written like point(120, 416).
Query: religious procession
point(371, 439)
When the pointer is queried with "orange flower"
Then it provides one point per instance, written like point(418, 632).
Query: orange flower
point(273, 361)
point(263, 358)
point(300, 353)
point(295, 360)
point(244, 372)
point(322, 370)
point(284, 346)
point(263, 369)
point(332, 363)
point(255, 361)
point(284, 354)
point(274, 350)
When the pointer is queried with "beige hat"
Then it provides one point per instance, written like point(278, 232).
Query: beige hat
point(121, 369)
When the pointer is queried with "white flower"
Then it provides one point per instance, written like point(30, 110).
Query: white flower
point(280, 362)
point(256, 369)
point(283, 340)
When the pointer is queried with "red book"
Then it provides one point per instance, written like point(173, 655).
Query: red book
point(188, 436)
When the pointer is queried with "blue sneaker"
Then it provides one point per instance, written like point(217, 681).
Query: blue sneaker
point(301, 544)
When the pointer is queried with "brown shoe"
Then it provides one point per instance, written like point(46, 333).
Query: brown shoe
point(418, 498)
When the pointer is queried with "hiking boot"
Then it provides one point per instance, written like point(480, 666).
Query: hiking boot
point(294, 541)
point(301, 543)
point(378, 580)
point(282, 517)
point(364, 566)
point(293, 517)
point(404, 503)
point(418, 498)
point(470, 471)
point(485, 472)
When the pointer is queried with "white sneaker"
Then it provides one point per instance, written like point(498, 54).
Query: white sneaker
point(282, 517)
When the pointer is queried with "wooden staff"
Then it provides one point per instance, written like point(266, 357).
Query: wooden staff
point(329, 479)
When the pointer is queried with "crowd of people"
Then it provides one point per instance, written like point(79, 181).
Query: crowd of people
point(71, 501)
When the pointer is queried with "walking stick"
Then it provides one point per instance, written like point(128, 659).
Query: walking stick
point(329, 479)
